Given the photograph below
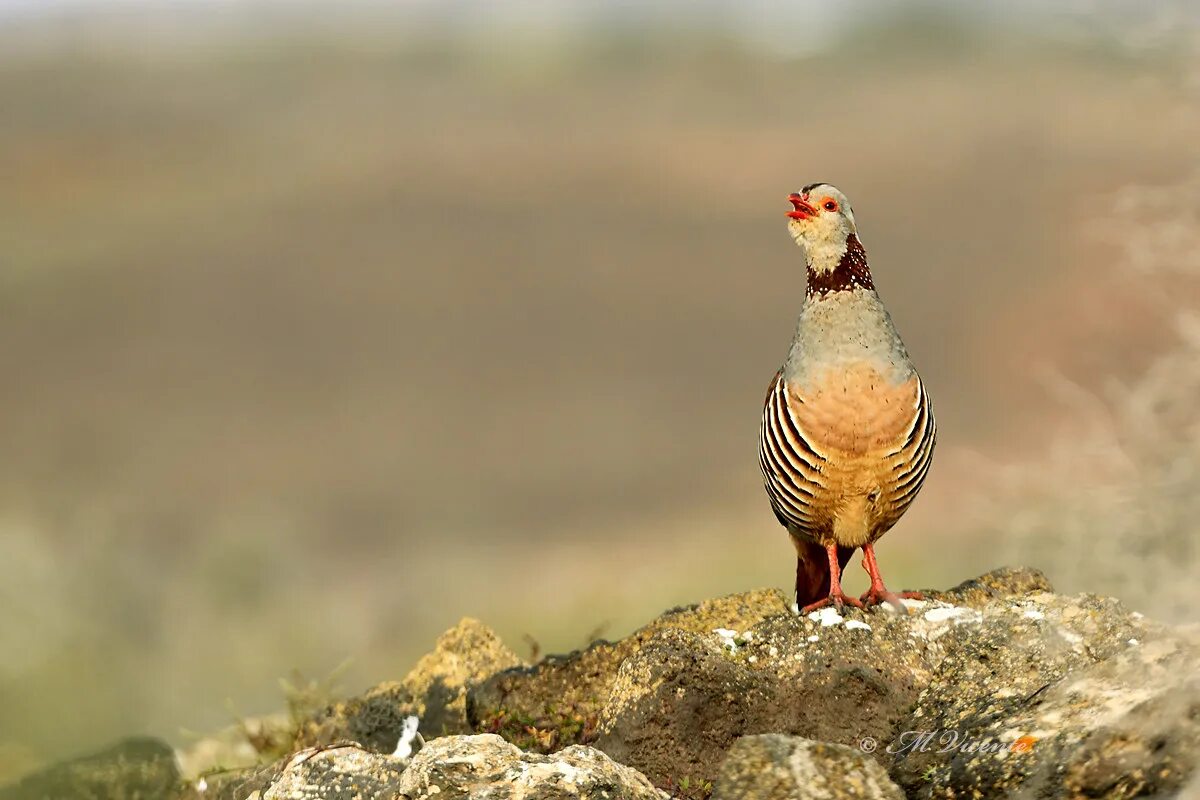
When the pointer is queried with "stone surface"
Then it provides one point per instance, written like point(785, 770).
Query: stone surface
point(465, 655)
point(373, 719)
point(1021, 688)
point(683, 699)
point(435, 691)
point(1003, 582)
point(559, 700)
point(135, 769)
point(995, 688)
point(485, 767)
point(778, 767)
point(345, 772)
point(1065, 697)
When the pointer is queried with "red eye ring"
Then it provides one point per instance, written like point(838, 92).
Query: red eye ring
point(830, 205)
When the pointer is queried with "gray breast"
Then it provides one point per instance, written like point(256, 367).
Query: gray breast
point(844, 328)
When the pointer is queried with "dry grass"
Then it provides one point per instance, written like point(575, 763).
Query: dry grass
point(1113, 505)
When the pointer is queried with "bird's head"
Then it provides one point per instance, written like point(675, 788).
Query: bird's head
point(821, 221)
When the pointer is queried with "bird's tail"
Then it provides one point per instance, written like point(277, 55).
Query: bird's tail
point(812, 570)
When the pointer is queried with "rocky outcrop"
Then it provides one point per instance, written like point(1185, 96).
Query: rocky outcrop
point(992, 688)
point(996, 688)
point(1058, 697)
point(345, 772)
point(560, 700)
point(435, 692)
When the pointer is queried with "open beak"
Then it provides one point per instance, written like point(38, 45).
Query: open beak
point(801, 209)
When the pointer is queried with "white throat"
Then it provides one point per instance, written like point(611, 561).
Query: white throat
point(823, 256)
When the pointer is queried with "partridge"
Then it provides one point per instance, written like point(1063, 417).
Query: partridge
point(847, 430)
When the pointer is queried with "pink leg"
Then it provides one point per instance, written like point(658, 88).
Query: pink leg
point(837, 597)
point(878, 593)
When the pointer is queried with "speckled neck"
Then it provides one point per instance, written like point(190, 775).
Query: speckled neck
point(851, 272)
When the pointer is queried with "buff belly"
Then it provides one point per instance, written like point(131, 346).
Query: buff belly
point(859, 423)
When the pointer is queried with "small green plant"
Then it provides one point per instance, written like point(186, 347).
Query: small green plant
point(551, 730)
point(688, 789)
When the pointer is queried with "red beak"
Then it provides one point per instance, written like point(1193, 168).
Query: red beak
point(802, 210)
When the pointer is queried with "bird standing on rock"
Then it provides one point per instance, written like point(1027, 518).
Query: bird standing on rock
point(847, 429)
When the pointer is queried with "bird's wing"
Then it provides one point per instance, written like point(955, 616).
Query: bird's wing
point(791, 466)
point(911, 457)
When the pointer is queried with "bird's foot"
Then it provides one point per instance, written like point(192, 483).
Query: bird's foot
point(878, 595)
point(838, 600)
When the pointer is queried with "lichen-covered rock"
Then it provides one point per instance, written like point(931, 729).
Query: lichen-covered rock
point(964, 672)
point(134, 769)
point(1058, 697)
point(777, 767)
point(485, 767)
point(1003, 582)
point(674, 696)
point(373, 719)
point(995, 688)
point(1150, 750)
point(435, 692)
point(465, 655)
point(558, 701)
point(682, 700)
point(676, 706)
point(344, 772)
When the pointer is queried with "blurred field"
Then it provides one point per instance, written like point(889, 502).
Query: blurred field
point(313, 344)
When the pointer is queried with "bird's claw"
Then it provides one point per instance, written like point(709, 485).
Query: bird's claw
point(838, 601)
point(878, 595)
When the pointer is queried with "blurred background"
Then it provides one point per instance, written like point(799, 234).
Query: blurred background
point(323, 326)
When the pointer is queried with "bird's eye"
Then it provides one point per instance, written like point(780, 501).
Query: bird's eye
point(830, 205)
